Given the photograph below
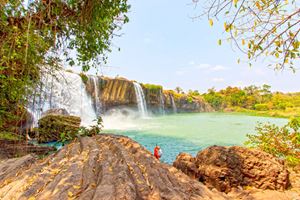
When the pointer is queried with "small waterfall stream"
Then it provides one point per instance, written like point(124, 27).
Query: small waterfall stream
point(173, 104)
point(97, 102)
point(162, 102)
point(140, 98)
point(64, 91)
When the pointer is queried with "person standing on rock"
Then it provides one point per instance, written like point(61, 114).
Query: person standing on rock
point(157, 152)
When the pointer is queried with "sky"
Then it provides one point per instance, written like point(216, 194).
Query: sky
point(162, 44)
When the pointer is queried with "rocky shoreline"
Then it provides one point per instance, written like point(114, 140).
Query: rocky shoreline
point(116, 167)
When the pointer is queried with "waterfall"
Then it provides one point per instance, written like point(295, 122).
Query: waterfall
point(97, 102)
point(63, 91)
point(173, 104)
point(140, 98)
point(162, 102)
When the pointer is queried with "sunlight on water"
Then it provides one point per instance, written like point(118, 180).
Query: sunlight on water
point(187, 132)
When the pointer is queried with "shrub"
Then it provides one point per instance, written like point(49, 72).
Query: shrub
point(189, 99)
point(283, 142)
point(261, 107)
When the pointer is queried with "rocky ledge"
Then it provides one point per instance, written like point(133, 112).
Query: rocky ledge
point(11, 148)
point(225, 168)
point(100, 167)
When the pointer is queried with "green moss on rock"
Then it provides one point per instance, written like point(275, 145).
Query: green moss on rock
point(53, 127)
point(153, 88)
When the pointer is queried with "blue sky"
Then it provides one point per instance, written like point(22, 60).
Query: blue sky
point(163, 45)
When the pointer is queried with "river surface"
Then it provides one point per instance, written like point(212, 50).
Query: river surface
point(187, 132)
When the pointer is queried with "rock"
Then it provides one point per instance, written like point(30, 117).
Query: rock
point(119, 92)
point(11, 149)
point(103, 167)
point(51, 127)
point(225, 168)
point(56, 111)
point(114, 92)
point(9, 168)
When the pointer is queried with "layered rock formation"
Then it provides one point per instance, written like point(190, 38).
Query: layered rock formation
point(119, 92)
point(113, 92)
point(225, 168)
point(102, 167)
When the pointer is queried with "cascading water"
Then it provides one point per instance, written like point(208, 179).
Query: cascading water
point(63, 91)
point(162, 102)
point(97, 102)
point(173, 104)
point(140, 98)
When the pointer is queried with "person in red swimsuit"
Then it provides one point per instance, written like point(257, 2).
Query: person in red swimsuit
point(157, 152)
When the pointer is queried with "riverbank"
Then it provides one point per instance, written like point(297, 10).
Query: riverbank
point(288, 113)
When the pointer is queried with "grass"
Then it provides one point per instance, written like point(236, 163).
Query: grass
point(287, 113)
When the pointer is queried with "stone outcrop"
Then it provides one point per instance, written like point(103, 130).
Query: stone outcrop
point(56, 111)
point(225, 168)
point(52, 126)
point(10, 149)
point(102, 167)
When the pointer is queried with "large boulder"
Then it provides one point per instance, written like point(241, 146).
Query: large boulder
point(52, 126)
point(102, 167)
point(56, 111)
point(225, 168)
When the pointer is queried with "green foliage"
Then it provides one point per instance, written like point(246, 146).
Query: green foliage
point(189, 99)
point(84, 77)
point(93, 130)
point(193, 93)
point(153, 88)
point(271, 28)
point(283, 142)
point(254, 100)
point(35, 38)
point(261, 107)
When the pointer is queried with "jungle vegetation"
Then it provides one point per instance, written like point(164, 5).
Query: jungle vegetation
point(37, 36)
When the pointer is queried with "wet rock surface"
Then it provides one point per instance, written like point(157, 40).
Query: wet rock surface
point(100, 167)
point(225, 168)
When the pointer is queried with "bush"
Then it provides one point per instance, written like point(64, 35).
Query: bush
point(261, 107)
point(189, 99)
point(283, 142)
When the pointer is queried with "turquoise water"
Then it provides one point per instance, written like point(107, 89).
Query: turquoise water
point(188, 132)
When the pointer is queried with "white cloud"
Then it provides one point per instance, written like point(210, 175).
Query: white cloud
point(218, 68)
point(148, 40)
point(218, 80)
point(209, 67)
point(203, 66)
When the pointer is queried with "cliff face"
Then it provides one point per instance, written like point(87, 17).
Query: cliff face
point(118, 92)
point(111, 92)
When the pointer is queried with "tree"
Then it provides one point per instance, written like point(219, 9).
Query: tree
point(260, 27)
point(179, 90)
point(35, 38)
